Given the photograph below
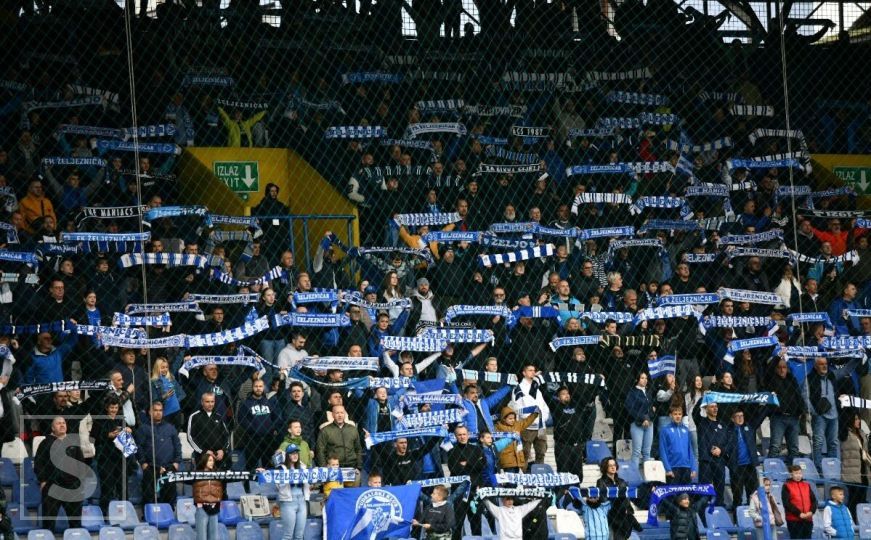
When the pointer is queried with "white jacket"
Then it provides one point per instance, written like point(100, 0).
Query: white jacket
point(509, 520)
point(285, 491)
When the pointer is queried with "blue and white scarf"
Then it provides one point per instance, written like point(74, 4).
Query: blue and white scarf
point(597, 133)
point(700, 258)
point(507, 228)
point(850, 256)
point(162, 212)
point(754, 297)
point(367, 77)
point(495, 168)
point(313, 475)
point(750, 343)
point(515, 111)
point(458, 335)
point(574, 341)
point(812, 352)
point(628, 75)
point(658, 119)
point(659, 493)
point(846, 342)
point(412, 400)
point(432, 418)
point(569, 377)
point(536, 312)
point(636, 98)
point(661, 366)
point(99, 331)
point(488, 140)
point(742, 239)
point(660, 202)
point(447, 480)
point(668, 225)
point(613, 168)
point(120, 319)
point(191, 341)
point(737, 163)
point(244, 298)
point(110, 212)
point(325, 296)
point(734, 252)
point(487, 376)
point(108, 146)
point(515, 256)
point(491, 311)
point(342, 363)
point(539, 480)
point(601, 317)
point(24, 257)
point(417, 220)
point(239, 360)
point(172, 260)
point(489, 240)
point(53, 327)
point(439, 106)
point(89, 101)
point(501, 492)
point(105, 242)
point(222, 237)
point(125, 444)
point(617, 245)
point(422, 128)
point(531, 132)
point(510, 155)
point(664, 312)
point(759, 398)
point(613, 122)
point(61, 161)
point(795, 319)
point(407, 143)
point(276, 273)
point(606, 232)
point(692, 299)
point(736, 109)
point(28, 390)
point(706, 147)
point(722, 321)
point(171, 307)
point(854, 402)
point(355, 132)
point(377, 438)
point(536, 82)
point(651, 167)
point(572, 232)
point(603, 493)
point(726, 97)
point(11, 231)
point(321, 320)
point(414, 344)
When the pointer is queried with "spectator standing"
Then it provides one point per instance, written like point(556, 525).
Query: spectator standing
point(340, 439)
point(799, 502)
point(110, 460)
point(676, 450)
point(713, 441)
point(640, 410)
point(258, 418)
point(775, 519)
point(207, 433)
point(158, 452)
point(60, 468)
point(837, 521)
point(207, 498)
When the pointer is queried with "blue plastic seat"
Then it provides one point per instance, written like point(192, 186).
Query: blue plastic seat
point(112, 533)
point(809, 469)
point(185, 510)
point(742, 514)
point(146, 532)
point(562, 536)
point(314, 529)
point(268, 490)
point(8, 473)
point(721, 520)
point(77, 534)
point(863, 514)
point(276, 529)
point(223, 533)
point(775, 469)
point(716, 534)
point(540, 468)
point(92, 518)
point(597, 451)
point(248, 530)
point(831, 468)
point(235, 490)
point(21, 522)
point(181, 531)
point(27, 470)
point(31, 496)
point(160, 515)
point(122, 514)
point(40, 534)
point(230, 514)
point(237, 460)
point(630, 473)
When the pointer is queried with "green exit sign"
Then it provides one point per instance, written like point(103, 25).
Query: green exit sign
point(242, 177)
point(858, 177)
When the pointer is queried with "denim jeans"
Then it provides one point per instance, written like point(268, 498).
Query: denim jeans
point(207, 526)
point(642, 441)
point(784, 426)
point(269, 349)
point(293, 516)
point(825, 429)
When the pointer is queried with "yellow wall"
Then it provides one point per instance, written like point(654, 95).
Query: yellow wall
point(824, 163)
point(301, 187)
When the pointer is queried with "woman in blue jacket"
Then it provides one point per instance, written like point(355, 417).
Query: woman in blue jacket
point(640, 410)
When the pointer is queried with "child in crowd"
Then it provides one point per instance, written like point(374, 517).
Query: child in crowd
point(332, 463)
point(594, 510)
point(799, 502)
point(509, 518)
point(775, 518)
point(837, 522)
point(437, 516)
point(512, 458)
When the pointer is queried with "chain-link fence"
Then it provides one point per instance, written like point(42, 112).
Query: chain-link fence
point(543, 225)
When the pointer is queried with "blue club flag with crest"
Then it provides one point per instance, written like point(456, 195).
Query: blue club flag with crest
point(371, 513)
point(662, 366)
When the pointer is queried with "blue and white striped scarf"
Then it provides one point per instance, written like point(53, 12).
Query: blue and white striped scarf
point(601, 317)
point(172, 260)
point(795, 319)
point(495, 168)
point(627, 75)
point(611, 122)
point(661, 202)
point(636, 98)
point(108, 146)
point(738, 163)
point(414, 344)
point(377, 438)
point(734, 252)
point(668, 225)
point(120, 319)
point(424, 254)
point(571, 232)
point(432, 418)
point(516, 111)
point(439, 106)
point(222, 237)
point(534, 132)
point(324, 296)
point(28, 390)
point(507, 243)
point(736, 109)
point(721, 321)
point(458, 335)
point(322, 320)
point(750, 343)
point(661, 366)
point(447, 480)
point(754, 297)
point(756, 238)
point(510, 155)
point(606, 232)
point(574, 341)
point(816, 352)
point(706, 147)
point(515, 256)
point(53, 327)
point(539, 480)
point(355, 132)
point(342, 363)
point(355, 298)
point(312, 475)
point(421, 128)
point(407, 143)
point(617, 245)
point(664, 312)
point(24, 257)
point(759, 398)
point(191, 341)
point(105, 242)
point(700, 258)
point(276, 273)
point(197, 362)
point(537, 312)
point(171, 307)
point(412, 400)
point(506, 228)
point(444, 237)
point(846, 342)
point(651, 167)
point(658, 119)
point(63, 161)
point(365, 77)
point(492, 311)
point(613, 168)
point(163, 212)
point(487, 376)
point(98, 331)
point(244, 298)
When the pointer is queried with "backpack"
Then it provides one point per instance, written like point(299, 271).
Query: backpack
point(255, 507)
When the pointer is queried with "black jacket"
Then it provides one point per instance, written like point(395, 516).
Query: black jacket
point(711, 433)
point(399, 470)
point(788, 393)
point(440, 518)
point(51, 472)
point(207, 432)
point(475, 462)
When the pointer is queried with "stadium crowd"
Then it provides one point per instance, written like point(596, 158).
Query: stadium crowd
point(545, 252)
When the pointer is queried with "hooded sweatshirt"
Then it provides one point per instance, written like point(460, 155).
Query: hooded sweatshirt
point(305, 453)
point(512, 455)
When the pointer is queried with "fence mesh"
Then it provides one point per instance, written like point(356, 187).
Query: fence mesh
point(274, 188)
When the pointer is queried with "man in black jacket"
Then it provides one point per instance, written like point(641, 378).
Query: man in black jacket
point(60, 468)
point(158, 452)
point(466, 459)
point(293, 404)
point(403, 465)
point(822, 386)
point(784, 419)
point(572, 426)
point(713, 444)
point(207, 433)
point(742, 458)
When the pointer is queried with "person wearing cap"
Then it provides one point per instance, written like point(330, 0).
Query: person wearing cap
point(713, 442)
point(742, 457)
point(426, 309)
point(292, 497)
point(513, 458)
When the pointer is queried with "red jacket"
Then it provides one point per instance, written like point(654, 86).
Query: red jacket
point(838, 241)
point(798, 498)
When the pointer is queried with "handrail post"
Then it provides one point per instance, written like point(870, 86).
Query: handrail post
point(305, 242)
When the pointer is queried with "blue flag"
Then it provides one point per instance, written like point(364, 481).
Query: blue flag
point(371, 513)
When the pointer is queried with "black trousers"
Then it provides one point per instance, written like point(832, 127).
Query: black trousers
point(714, 473)
point(744, 480)
point(682, 476)
point(167, 493)
point(570, 457)
point(800, 529)
point(51, 507)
